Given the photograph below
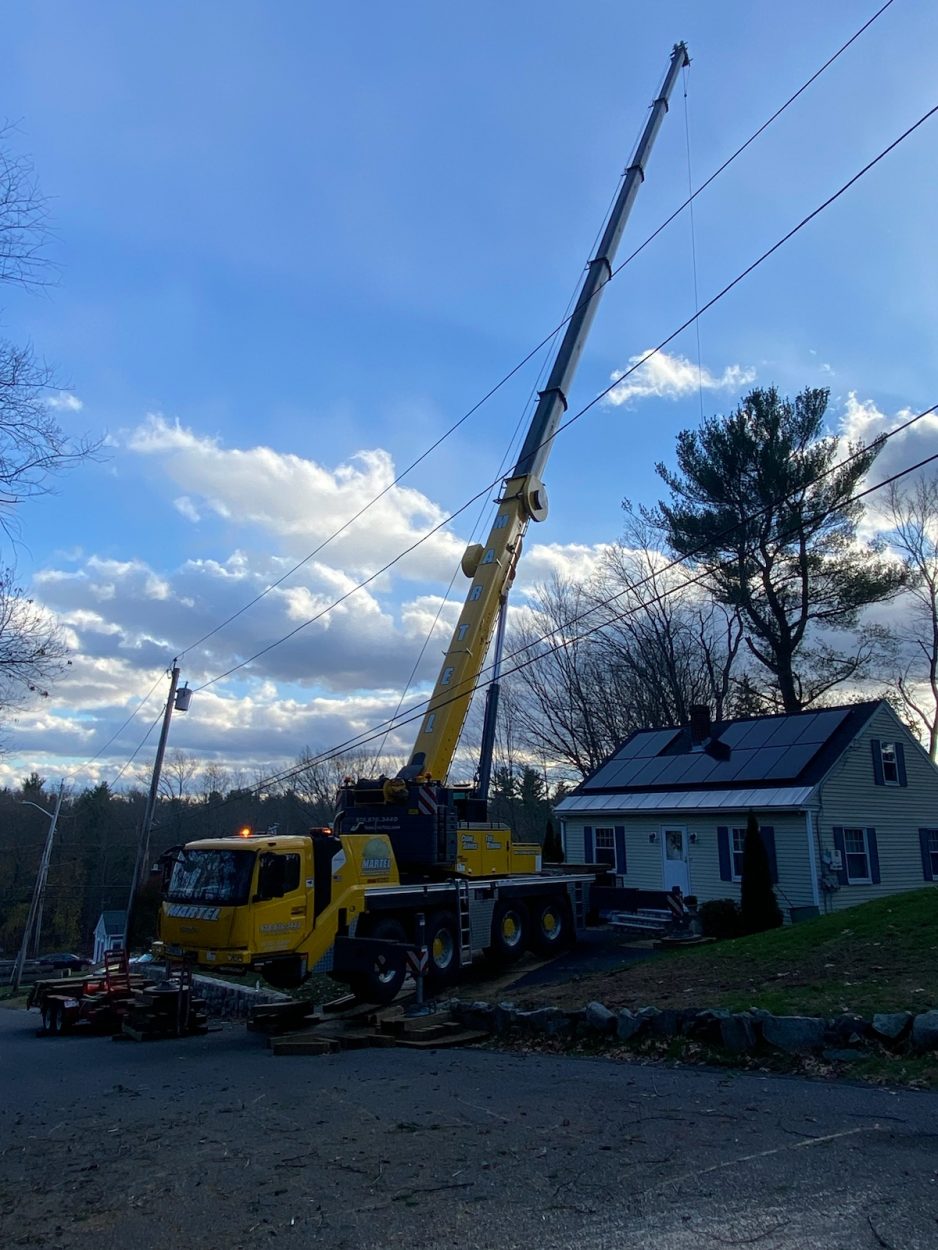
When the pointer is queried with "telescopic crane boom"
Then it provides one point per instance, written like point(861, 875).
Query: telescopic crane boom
point(491, 565)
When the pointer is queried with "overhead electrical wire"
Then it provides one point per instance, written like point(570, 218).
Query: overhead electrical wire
point(571, 420)
point(418, 710)
point(544, 341)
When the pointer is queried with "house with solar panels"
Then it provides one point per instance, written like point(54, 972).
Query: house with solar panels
point(846, 798)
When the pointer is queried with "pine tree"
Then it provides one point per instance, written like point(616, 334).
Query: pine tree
point(758, 905)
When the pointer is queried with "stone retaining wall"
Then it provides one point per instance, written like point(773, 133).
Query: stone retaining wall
point(840, 1038)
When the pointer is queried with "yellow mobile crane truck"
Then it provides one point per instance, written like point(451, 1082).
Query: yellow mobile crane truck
point(346, 900)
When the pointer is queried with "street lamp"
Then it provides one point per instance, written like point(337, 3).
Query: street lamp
point(35, 906)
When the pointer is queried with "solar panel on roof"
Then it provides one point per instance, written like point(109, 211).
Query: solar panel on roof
point(702, 767)
point(822, 725)
point(792, 761)
point(785, 731)
point(747, 733)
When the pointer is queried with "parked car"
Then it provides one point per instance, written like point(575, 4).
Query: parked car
point(63, 962)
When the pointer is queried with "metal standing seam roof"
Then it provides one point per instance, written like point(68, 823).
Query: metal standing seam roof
point(673, 800)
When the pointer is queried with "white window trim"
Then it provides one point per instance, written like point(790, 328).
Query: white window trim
point(734, 875)
point(610, 829)
point(868, 879)
point(894, 763)
point(933, 852)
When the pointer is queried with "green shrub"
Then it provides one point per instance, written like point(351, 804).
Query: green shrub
point(720, 918)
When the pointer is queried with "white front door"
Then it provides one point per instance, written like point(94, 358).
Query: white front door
point(674, 856)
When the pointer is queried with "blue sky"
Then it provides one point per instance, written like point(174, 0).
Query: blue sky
point(327, 230)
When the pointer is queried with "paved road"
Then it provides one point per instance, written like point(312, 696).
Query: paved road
point(211, 1142)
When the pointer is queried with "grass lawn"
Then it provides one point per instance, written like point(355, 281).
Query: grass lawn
point(880, 956)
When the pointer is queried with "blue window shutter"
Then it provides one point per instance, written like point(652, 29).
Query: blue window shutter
point(877, 762)
point(621, 865)
point(900, 764)
point(768, 841)
point(873, 849)
point(839, 843)
point(588, 852)
point(723, 846)
point(925, 841)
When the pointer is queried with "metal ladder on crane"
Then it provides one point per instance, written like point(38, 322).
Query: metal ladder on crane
point(464, 922)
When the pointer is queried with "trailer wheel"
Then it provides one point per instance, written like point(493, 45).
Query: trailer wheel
point(443, 949)
point(551, 925)
point(50, 1019)
point(382, 984)
point(510, 928)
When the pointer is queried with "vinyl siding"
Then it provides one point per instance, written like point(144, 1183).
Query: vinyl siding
point(645, 869)
point(850, 798)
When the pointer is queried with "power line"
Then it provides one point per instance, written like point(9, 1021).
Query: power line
point(544, 341)
point(361, 740)
point(416, 712)
point(587, 407)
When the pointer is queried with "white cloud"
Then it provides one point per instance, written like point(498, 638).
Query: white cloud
point(301, 503)
point(65, 401)
point(862, 422)
point(672, 377)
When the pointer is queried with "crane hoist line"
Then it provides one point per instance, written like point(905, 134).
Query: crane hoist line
point(345, 900)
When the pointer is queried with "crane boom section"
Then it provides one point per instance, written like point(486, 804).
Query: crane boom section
point(491, 567)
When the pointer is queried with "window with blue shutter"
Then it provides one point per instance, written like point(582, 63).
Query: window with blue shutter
point(888, 763)
point(928, 838)
point(873, 850)
point(621, 863)
point(723, 848)
point(588, 844)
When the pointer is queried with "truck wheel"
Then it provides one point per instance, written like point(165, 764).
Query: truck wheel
point(443, 949)
point(382, 984)
point(50, 1019)
point(509, 931)
point(551, 926)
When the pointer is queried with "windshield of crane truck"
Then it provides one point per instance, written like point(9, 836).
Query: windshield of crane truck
point(212, 877)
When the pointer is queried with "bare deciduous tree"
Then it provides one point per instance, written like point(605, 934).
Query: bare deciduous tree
point(32, 648)
point(178, 772)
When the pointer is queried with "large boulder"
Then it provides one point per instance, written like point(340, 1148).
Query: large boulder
point(891, 1026)
point(795, 1035)
point(925, 1031)
point(628, 1025)
point(737, 1033)
point(599, 1019)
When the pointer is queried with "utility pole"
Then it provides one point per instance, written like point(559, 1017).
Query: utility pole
point(179, 700)
point(35, 906)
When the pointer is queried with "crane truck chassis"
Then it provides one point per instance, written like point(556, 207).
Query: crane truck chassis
point(289, 906)
point(346, 902)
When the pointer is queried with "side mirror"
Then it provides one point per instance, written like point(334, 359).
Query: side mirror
point(271, 876)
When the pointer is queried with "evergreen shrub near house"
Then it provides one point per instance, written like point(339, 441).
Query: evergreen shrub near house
point(553, 847)
point(759, 909)
point(720, 918)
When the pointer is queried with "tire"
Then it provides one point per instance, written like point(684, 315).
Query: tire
point(510, 929)
point(551, 926)
point(50, 1019)
point(382, 985)
point(443, 949)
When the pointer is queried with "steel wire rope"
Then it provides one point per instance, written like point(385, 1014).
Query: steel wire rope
point(548, 338)
point(140, 747)
point(416, 712)
point(592, 403)
point(659, 598)
point(143, 702)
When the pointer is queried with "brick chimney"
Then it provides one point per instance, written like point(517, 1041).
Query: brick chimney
point(699, 724)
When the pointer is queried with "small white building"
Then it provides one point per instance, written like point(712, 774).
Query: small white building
point(846, 798)
point(108, 934)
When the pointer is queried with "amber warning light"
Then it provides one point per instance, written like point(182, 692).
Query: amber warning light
point(244, 833)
